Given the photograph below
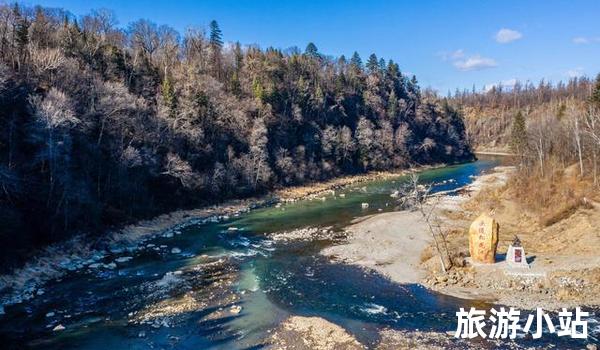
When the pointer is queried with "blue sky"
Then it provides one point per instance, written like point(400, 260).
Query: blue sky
point(447, 44)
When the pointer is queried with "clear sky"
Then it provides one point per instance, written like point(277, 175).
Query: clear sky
point(447, 44)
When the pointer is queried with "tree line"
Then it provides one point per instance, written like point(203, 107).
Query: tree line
point(489, 114)
point(523, 94)
point(101, 124)
point(554, 132)
point(565, 131)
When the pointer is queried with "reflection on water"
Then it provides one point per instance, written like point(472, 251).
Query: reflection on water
point(183, 287)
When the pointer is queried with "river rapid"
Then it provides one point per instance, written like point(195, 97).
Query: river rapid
point(227, 285)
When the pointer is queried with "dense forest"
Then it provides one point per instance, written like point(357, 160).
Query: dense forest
point(102, 124)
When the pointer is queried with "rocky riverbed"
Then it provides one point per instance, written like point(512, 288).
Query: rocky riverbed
point(234, 281)
point(83, 252)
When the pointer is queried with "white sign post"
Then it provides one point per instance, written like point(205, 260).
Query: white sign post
point(515, 257)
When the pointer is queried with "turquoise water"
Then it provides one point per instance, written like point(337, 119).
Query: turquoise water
point(216, 261)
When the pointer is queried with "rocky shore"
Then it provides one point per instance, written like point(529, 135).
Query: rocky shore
point(107, 252)
point(83, 252)
point(312, 333)
point(398, 245)
point(564, 265)
point(393, 243)
point(315, 333)
point(317, 190)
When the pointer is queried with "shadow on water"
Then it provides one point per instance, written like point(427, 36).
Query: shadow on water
point(272, 282)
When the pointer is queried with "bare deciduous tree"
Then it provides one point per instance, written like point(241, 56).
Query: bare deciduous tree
point(416, 196)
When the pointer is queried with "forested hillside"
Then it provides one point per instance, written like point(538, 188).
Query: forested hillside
point(554, 131)
point(489, 114)
point(103, 123)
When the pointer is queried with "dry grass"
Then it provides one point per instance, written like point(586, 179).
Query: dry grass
point(489, 198)
point(427, 254)
point(553, 197)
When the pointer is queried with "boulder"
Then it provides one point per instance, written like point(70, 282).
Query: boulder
point(235, 309)
point(483, 239)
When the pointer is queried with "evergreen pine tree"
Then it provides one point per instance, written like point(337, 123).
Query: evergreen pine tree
point(393, 70)
point(21, 30)
point(381, 64)
point(168, 95)
point(258, 90)
point(216, 36)
point(216, 43)
point(342, 60)
point(373, 64)
point(394, 77)
point(355, 60)
point(311, 50)
point(413, 86)
point(518, 136)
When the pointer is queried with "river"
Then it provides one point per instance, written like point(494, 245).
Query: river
point(178, 291)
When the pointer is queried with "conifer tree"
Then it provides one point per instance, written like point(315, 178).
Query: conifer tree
point(392, 108)
point(21, 34)
point(216, 43)
point(414, 86)
point(518, 137)
point(355, 60)
point(381, 64)
point(168, 95)
point(373, 64)
point(311, 50)
point(216, 36)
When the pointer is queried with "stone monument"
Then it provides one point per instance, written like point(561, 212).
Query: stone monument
point(515, 257)
point(483, 239)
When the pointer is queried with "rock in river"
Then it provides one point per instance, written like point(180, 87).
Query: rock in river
point(235, 309)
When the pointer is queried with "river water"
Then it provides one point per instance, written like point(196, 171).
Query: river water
point(177, 291)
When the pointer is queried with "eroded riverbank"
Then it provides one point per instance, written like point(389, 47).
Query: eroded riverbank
point(230, 284)
point(398, 246)
point(563, 272)
point(82, 251)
